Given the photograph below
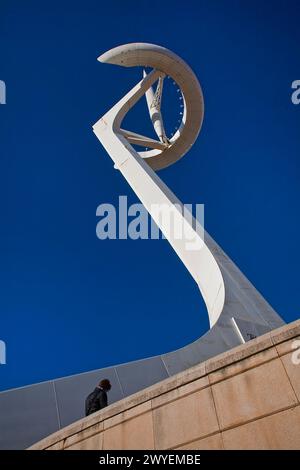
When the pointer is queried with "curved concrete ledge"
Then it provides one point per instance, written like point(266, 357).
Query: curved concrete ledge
point(247, 398)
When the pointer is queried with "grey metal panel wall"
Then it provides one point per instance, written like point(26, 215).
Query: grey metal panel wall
point(135, 376)
point(31, 413)
point(27, 415)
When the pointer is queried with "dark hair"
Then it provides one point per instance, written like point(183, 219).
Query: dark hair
point(105, 384)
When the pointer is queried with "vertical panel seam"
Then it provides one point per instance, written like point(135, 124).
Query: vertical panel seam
point(119, 381)
point(56, 405)
point(165, 366)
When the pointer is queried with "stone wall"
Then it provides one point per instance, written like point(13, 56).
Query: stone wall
point(247, 398)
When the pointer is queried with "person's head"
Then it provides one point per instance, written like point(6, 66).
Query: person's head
point(105, 384)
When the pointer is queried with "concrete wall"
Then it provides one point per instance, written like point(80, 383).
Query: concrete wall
point(247, 398)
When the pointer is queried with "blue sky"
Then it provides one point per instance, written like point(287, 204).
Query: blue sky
point(70, 302)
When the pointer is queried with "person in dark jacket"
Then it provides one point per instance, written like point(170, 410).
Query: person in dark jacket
point(98, 398)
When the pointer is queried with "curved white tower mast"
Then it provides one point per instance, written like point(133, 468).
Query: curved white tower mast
point(237, 312)
point(236, 309)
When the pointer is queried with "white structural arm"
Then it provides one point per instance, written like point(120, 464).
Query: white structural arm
point(229, 297)
point(154, 193)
